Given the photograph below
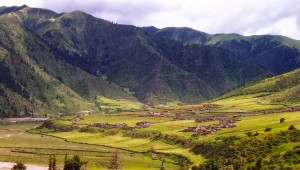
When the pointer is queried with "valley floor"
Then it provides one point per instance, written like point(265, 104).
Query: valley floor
point(147, 138)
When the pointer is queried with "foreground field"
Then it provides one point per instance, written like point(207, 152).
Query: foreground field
point(19, 145)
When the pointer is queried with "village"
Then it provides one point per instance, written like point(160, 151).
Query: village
point(124, 126)
point(224, 122)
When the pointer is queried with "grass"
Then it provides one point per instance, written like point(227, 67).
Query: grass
point(281, 89)
point(17, 144)
point(109, 105)
point(174, 127)
point(135, 153)
point(246, 103)
point(118, 140)
point(119, 118)
point(138, 145)
point(281, 149)
point(196, 159)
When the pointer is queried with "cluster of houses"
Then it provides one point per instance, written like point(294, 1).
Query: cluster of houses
point(209, 118)
point(109, 125)
point(208, 107)
point(163, 113)
point(202, 130)
point(210, 129)
point(143, 124)
point(272, 111)
point(295, 109)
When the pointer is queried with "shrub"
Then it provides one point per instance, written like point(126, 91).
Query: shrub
point(249, 134)
point(292, 127)
point(282, 120)
point(56, 126)
point(19, 166)
point(256, 134)
point(73, 164)
point(91, 129)
point(268, 129)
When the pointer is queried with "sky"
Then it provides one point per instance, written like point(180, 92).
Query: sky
point(246, 17)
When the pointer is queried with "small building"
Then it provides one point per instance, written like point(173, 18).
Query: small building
point(143, 124)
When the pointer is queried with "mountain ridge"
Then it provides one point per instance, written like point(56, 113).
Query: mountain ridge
point(94, 57)
point(278, 54)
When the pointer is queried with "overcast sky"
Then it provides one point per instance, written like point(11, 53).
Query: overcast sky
point(245, 17)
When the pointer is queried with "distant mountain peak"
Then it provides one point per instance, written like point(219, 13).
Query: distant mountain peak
point(21, 7)
point(24, 6)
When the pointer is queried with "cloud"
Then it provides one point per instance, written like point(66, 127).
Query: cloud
point(214, 16)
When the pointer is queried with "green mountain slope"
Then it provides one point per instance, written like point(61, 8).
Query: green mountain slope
point(33, 80)
point(53, 59)
point(284, 88)
point(278, 54)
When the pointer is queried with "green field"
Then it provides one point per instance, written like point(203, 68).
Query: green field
point(111, 105)
point(144, 151)
point(248, 105)
point(121, 118)
point(17, 144)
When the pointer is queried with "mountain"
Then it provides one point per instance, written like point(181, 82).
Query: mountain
point(277, 54)
point(284, 88)
point(64, 62)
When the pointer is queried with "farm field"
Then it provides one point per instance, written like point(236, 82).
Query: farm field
point(95, 136)
point(19, 145)
point(254, 120)
point(111, 105)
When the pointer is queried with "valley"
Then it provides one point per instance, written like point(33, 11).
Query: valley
point(162, 139)
point(146, 98)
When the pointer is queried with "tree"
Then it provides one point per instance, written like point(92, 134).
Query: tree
point(115, 160)
point(66, 159)
point(282, 120)
point(19, 166)
point(73, 164)
point(162, 165)
point(268, 129)
point(292, 127)
point(52, 162)
point(66, 156)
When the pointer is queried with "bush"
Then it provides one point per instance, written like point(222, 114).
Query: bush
point(256, 134)
point(73, 164)
point(292, 127)
point(282, 120)
point(19, 166)
point(268, 129)
point(56, 126)
point(91, 129)
point(249, 134)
